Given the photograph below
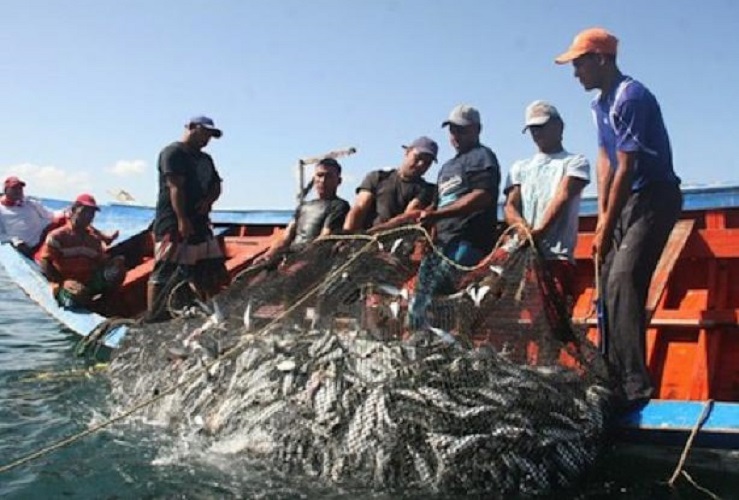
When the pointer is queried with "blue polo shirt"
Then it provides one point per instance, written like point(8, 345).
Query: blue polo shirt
point(629, 119)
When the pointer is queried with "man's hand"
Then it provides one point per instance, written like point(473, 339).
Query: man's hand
point(184, 228)
point(110, 238)
point(601, 243)
point(75, 288)
point(537, 233)
point(428, 217)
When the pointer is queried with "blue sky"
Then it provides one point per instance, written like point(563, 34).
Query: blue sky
point(93, 89)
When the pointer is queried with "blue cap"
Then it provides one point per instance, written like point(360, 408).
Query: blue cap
point(205, 122)
point(424, 145)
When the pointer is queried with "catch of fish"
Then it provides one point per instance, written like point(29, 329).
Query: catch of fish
point(342, 405)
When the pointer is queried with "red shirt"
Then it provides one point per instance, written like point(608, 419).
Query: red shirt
point(75, 255)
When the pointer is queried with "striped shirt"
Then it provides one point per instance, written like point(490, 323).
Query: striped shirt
point(75, 255)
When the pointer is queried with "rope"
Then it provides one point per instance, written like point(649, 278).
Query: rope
point(699, 423)
point(66, 374)
point(100, 331)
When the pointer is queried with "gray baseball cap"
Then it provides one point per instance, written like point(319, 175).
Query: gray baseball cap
point(539, 113)
point(463, 115)
point(424, 145)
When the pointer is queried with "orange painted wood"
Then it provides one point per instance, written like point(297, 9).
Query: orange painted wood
point(673, 248)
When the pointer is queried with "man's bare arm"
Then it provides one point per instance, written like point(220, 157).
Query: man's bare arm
point(477, 199)
point(605, 177)
point(617, 197)
point(569, 187)
point(358, 213)
point(176, 186)
point(512, 207)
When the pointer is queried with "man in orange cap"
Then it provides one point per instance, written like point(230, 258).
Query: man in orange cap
point(639, 200)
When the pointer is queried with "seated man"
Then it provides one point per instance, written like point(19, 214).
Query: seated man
point(320, 217)
point(23, 221)
point(543, 193)
point(386, 199)
point(74, 260)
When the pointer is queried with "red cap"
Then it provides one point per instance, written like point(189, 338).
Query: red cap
point(87, 200)
point(13, 181)
point(592, 40)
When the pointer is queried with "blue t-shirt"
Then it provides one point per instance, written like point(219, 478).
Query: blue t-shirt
point(476, 169)
point(629, 119)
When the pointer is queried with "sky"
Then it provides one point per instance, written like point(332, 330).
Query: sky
point(94, 89)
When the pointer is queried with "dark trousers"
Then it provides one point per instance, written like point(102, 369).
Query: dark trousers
point(639, 238)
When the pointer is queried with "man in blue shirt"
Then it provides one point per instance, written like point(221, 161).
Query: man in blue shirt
point(466, 210)
point(639, 200)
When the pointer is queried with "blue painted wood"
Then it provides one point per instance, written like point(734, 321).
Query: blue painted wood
point(671, 422)
point(120, 216)
point(27, 275)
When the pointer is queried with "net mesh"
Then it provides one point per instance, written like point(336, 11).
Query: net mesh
point(339, 363)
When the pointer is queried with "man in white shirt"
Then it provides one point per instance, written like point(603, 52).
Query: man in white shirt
point(543, 192)
point(23, 221)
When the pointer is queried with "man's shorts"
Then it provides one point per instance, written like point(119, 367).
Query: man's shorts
point(201, 263)
point(102, 280)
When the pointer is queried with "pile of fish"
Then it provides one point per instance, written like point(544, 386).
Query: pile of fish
point(353, 410)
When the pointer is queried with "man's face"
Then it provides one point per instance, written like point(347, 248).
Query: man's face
point(415, 163)
point(15, 192)
point(325, 181)
point(463, 138)
point(547, 137)
point(82, 216)
point(200, 136)
point(588, 69)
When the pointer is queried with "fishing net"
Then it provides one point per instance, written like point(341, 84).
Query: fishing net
point(337, 362)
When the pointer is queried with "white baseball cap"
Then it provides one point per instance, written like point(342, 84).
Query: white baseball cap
point(539, 113)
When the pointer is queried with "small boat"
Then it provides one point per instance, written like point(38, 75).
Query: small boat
point(243, 235)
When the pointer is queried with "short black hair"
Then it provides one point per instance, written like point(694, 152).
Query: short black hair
point(331, 163)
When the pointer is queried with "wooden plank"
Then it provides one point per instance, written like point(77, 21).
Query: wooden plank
point(684, 318)
point(707, 244)
point(675, 244)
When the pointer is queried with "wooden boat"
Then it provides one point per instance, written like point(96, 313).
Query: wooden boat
point(693, 306)
point(244, 236)
point(693, 335)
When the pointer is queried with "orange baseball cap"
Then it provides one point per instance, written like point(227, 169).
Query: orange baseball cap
point(591, 40)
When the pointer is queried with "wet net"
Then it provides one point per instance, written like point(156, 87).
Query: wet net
point(377, 362)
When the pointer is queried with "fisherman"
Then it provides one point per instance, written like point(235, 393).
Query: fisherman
point(23, 221)
point(189, 184)
point(639, 200)
point(74, 260)
point(465, 215)
point(389, 198)
point(543, 193)
point(322, 216)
